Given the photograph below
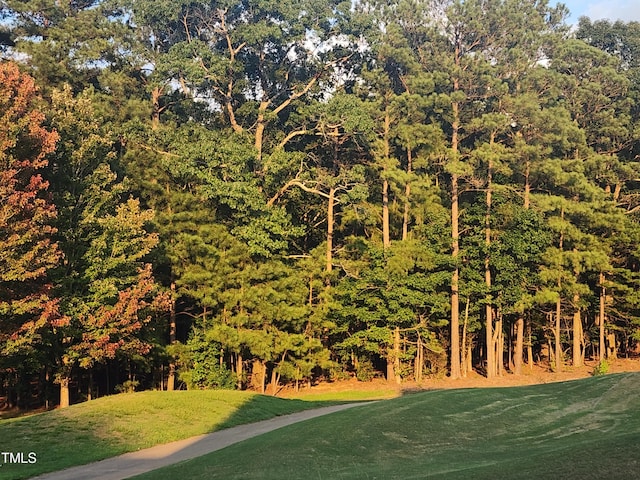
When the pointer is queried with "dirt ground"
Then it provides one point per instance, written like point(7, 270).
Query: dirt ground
point(530, 376)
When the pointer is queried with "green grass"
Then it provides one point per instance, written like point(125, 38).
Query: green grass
point(586, 429)
point(117, 424)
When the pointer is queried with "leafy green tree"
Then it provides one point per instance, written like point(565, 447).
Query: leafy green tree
point(104, 283)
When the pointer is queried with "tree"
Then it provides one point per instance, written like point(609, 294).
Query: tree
point(28, 251)
point(104, 281)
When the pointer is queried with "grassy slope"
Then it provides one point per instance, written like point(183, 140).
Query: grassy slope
point(113, 425)
point(573, 430)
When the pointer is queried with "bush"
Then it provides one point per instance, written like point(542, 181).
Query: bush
point(211, 375)
point(127, 387)
point(602, 368)
point(202, 365)
point(365, 371)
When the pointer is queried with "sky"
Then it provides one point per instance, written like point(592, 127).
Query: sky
point(626, 10)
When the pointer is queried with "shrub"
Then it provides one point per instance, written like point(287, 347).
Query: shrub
point(602, 368)
point(203, 368)
point(127, 387)
point(365, 371)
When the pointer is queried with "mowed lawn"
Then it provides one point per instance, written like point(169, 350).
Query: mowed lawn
point(117, 424)
point(584, 429)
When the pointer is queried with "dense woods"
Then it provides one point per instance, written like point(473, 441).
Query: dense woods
point(251, 194)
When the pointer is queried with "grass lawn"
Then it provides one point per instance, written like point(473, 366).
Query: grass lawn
point(584, 429)
point(117, 424)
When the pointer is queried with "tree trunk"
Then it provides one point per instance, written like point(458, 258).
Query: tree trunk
point(330, 214)
point(407, 194)
point(558, 345)
point(463, 348)
point(171, 380)
point(559, 307)
point(419, 361)
point(274, 381)
point(155, 107)
point(529, 346)
point(577, 333)
point(602, 348)
point(527, 185)
point(491, 360)
point(499, 343)
point(517, 356)
point(391, 374)
point(259, 136)
point(239, 371)
point(455, 240)
point(455, 278)
point(386, 236)
point(64, 391)
point(396, 354)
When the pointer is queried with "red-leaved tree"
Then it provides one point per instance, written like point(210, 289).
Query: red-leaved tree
point(26, 212)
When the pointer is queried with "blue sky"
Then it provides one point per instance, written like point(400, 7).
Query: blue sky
point(626, 10)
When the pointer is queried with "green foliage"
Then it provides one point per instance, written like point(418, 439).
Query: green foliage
point(127, 387)
point(203, 368)
point(364, 370)
point(290, 173)
point(602, 368)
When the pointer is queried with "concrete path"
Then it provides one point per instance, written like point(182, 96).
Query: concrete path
point(142, 461)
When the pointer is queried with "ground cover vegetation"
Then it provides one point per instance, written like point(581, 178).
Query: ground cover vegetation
point(580, 429)
point(255, 194)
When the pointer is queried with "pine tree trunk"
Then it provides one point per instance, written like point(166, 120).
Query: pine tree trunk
point(330, 215)
point(602, 348)
point(64, 391)
point(171, 380)
point(455, 278)
point(396, 353)
point(259, 135)
point(518, 354)
point(455, 234)
point(386, 235)
point(274, 381)
point(391, 374)
point(463, 348)
point(419, 361)
point(491, 359)
point(239, 371)
point(529, 346)
point(559, 307)
point(577, 333)
point(155, 107)
point(527, 185)
point(407, 194)
point(499, 356)
point(558, 344)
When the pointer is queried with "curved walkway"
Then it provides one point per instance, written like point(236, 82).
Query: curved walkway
point(142, 461)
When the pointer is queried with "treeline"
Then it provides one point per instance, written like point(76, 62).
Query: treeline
point(254, 193)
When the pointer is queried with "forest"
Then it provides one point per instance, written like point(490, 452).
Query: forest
point(252, 194)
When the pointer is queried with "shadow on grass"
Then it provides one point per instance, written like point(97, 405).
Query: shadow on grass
point(64, 438)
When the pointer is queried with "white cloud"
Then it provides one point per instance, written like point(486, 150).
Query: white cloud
point(625, 10)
